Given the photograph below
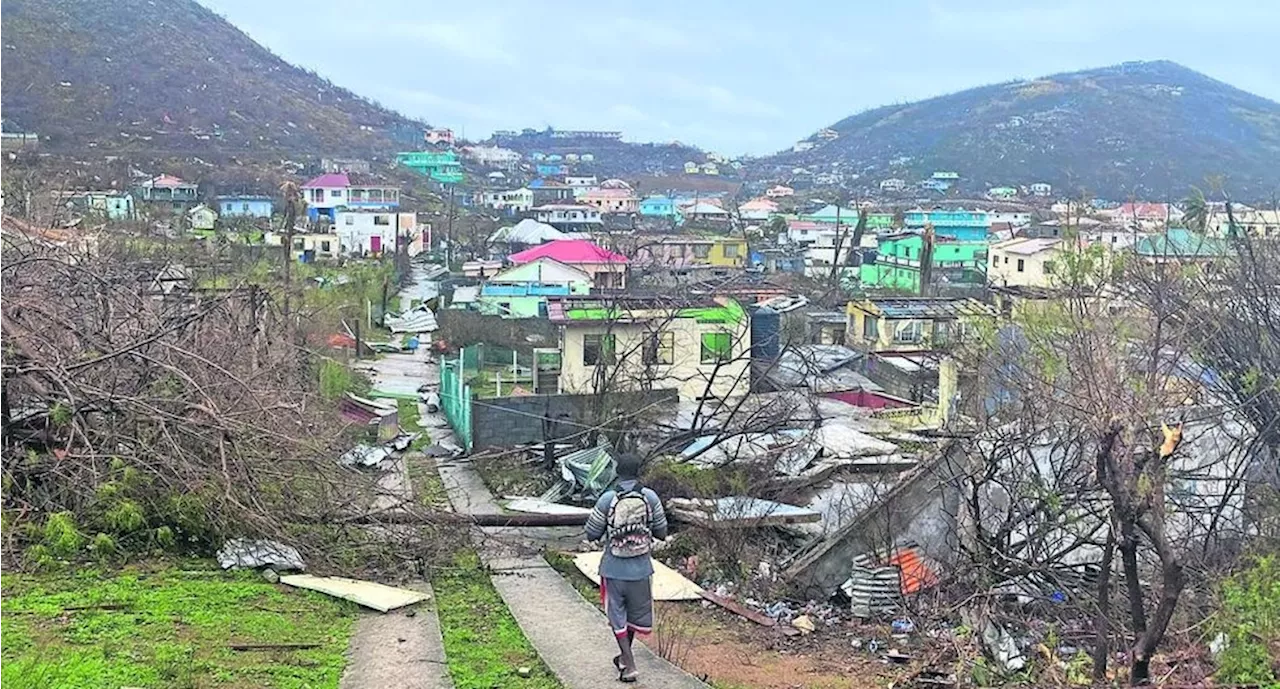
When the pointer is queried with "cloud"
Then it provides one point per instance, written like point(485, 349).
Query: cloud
point(476, 42)
point(717, 99)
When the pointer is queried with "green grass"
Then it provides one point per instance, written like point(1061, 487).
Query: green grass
point(482, 641)
point(410, 420)
point(173, 631)
point(426, 482)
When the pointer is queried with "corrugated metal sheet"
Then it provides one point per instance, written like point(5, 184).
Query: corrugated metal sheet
point(873, 589)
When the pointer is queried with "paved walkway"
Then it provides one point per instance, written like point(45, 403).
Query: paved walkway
point(396, 650)
point(571, 635)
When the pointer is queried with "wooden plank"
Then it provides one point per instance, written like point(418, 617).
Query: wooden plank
point(271, 647)
point(668, 584)
point(367, 593)
point(739, 609)
point(739, 512)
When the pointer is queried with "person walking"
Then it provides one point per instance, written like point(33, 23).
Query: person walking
point(628, 518)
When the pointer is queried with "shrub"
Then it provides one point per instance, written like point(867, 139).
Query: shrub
point(1250, 619)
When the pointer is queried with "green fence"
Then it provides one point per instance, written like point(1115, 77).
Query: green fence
point(455, 399)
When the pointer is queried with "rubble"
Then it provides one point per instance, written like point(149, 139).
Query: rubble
point(246, 553)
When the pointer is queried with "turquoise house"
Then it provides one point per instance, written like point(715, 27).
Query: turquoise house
point(442, 166)
point(245, 206)
point(896, 264)
point(959, 224)
point(658, 207)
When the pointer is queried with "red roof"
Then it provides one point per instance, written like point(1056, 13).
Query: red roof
point(167, 181)
point(1155, 211)
point(332, 179)
point(568, 251)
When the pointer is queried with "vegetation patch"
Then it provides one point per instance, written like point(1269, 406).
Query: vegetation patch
point(169, 628)
point(484, 645)
point(512, 474)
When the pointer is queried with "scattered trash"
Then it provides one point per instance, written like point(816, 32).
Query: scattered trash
point(804, 623)
point(364, 455)
point(898, 657)
point(739, 609)
point(401, 442)
point(587, 473)
point(242, 552)
point(872, 589)
point(419, 319)
point(1218, 644)
point(738, 511)
point(273, 647)
point(903, 626)
point(1002, 647)
point(367, 593)
point(524, 671)
point(271, 576)
point(856, 644)
point(432, 401)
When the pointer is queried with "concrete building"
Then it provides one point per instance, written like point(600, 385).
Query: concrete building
point(372, 232)
point(511, 200)
point(492, 156)
point(327, 194)
point(244, 206)
point(611, 200)
point(607, 269)
point(569, 217)
point(897, 324)
point(167, 190)
point(1023, 262)
point(700, 348)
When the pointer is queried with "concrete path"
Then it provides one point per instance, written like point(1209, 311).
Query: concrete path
point(571, 635)
point(396, 650)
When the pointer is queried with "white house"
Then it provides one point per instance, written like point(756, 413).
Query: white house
point(893, 184)
point(492, 156)
point(372, 232)
point(1022, 262)
point(569, 217)
point(779, 191)
point(582, 184)
point(517, 200)
point(1041, 189)
point(1014, 218)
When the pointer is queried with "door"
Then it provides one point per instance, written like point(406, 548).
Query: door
point(375, 244)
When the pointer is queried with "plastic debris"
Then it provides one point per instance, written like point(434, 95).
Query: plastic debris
point(903, 626)
point(805, 624)
point(364, 455)
point(1002, 647)
point(243, 552)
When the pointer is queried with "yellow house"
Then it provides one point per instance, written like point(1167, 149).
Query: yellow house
point(693, 250)
point(308, 245)
point(903, 324)
point(701, 348)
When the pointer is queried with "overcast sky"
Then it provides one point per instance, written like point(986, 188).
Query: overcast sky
point(741, 76)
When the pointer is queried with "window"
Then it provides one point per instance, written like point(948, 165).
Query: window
point(349, 219)
point(660, 348)
point(870, 328)
point(381, 220)
point(1021, 265)
point(701, 250)
point(317, 195)
point(1006, 260)
point(335, 193)
point(908, 331)
point(995, 260)
point(597, 349)
point(324, 246)
point(716, 347)
point(730, 250)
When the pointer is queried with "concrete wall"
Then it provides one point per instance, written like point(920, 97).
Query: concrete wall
point(922, 508)
point(505, 421)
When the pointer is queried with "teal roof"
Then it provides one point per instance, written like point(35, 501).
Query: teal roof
point(1183, 243)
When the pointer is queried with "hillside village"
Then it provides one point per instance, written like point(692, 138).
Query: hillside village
point(911, 424)
point(814, 349)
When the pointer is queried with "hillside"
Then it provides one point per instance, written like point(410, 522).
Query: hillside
point(1146, 129)
point(169, 76)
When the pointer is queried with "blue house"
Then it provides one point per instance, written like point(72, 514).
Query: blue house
point(550, 170)
point(245, 206)
point(962, 224)
point(658, 207)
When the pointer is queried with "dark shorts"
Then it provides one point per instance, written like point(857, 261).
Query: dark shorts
point(628, 605)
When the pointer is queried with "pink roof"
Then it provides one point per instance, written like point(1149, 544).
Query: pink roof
point(1144, 210)
point(167, 181)
point(568, 251)
point(609, 194)
point(332, 179)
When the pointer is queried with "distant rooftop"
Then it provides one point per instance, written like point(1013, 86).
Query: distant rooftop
point(923, 307)
point(329, 180)
point(638, 308)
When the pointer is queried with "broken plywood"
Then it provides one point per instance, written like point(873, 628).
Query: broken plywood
point(367, 593)
point(540, 506)
point(668, 584)
point(739, 512)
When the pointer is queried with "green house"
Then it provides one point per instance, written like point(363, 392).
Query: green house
point(897, 262)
